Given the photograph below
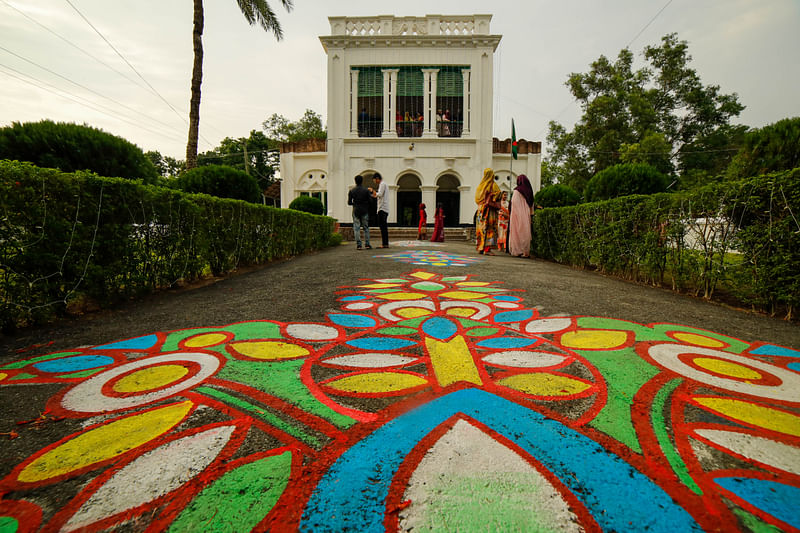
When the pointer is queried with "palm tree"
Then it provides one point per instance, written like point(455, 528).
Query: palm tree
point(254, 11)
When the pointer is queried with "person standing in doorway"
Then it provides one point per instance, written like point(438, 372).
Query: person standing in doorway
point(383, 208)
point(359, 198)
point(422, 231)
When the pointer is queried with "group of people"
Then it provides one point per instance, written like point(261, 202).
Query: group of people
point(438, 224)
point(500, 225)
point(360, 198)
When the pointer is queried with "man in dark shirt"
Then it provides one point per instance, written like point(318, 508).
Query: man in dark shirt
point(359, 198)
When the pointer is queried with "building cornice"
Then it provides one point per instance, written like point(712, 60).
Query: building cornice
point(402, 41)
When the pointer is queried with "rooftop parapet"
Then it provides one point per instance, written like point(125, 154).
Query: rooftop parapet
point(429, 25)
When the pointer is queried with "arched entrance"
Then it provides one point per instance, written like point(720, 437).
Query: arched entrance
point(409, 196)
point(448, 195)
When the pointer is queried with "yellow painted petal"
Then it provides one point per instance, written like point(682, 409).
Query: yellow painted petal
point(376, 382)
point(594, 339)
point(754, 414)
point(204, 339)
point(401, 296)
point(545, 384)
point(699, 340)
point(452, 361)
point(473, 284)
point(3, 376)
point(463, 295)
point(423, 275)
point(726, 368)
point(150, 378)
point(412, 312)
point(269, 350)
point(379, 285)
point(462, 311)
point(104, 442)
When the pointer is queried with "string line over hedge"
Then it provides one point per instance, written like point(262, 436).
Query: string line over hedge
point(71, 236)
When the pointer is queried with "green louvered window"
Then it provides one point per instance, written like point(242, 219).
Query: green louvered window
point(410, 82)
point(450, 82)
point(370, 101)
point(370, 81)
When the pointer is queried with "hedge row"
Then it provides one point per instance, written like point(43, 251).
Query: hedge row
point(67, 237)
point(743, 236)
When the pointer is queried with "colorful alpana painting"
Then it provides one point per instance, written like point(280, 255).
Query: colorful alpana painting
point(429, 258)
point(428, 402)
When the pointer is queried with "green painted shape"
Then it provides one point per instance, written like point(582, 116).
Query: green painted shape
point(243, 331)
point(22, 376)
point(455, 278)
point(736, 345)
point(624, 373)
point(238, 500)
point(413, 322)
point(8, 524)
point(427, 286)
point(263, 414)
point(396, 331)
point(382, 291)
point(754, 523)
point(495, 503)
point(481, 332)
point(83, 373)
point(662, 436)
point(467, 323)
point(26, 362)
point(281, 379)
point(486, 290)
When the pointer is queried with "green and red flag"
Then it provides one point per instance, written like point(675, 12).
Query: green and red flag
point(514, 148)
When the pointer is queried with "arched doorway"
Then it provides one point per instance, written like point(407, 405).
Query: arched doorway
point(448, 195)
point(409, 196)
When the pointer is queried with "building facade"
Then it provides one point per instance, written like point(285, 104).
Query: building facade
point(412, 99)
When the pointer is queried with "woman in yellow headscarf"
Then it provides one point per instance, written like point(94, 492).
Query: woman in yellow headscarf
point(487, 196)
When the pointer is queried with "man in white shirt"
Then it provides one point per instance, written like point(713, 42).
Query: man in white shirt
point(383, 208)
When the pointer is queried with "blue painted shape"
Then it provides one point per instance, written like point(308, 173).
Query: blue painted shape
point(506, 342)
point(794, 366)
point(353, 298)
point(439, 328)
point(137, 343)
point(74, 364)
point(771, 349)
point(352, 321)
point(352, 494)
point(777, 499)
point(514, 316)
point(380, 343)
point(506, 298)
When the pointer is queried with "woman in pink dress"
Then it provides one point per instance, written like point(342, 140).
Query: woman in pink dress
point(438, 225)
point(519, 243)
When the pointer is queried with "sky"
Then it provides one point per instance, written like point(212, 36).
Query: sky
point(125, 66)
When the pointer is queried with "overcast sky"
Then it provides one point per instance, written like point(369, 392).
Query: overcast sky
point(750, 47)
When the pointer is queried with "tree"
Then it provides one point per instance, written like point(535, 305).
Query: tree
point(254, 11)
point(308, 205)
point(221, 181)
point(70, 147)
point(166, 166)
point(556, 195)
point(769, 149)
point(256, 155)
point(623, 107)
point(623, 180)
point(281, 129)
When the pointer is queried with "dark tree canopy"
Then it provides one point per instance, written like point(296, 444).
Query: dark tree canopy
point(282, 129)
point(769, 149)
point(661, 115)
point(624, 180)
point(557, 195)
point(256, 155)
point(308, 205)
point(221, 181)
point(70, 147)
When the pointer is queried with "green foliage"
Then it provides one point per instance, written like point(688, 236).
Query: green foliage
point(308, 204)
point(308, 127)
point(625, 109)
point(221, 181)
point(743, 235)
point(166, 166)
point(557, 195)
point(71, 147)
point(769, 149)
point(624, 180)
point(69, 237)
point(256, 155)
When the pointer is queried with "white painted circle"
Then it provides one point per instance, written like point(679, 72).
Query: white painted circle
point(312, 332)
point(548, 325)
point(358, 306)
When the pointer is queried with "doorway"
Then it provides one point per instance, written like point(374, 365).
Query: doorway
point(409, 196)
point(449, 196)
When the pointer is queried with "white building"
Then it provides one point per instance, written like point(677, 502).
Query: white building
point(410, 98)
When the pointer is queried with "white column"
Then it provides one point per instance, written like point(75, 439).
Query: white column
point(354, 102)
point(467, 96)
point(467, 206)
point(389, 102)
point(392, 218)
point(430, 77)
point(429, 199)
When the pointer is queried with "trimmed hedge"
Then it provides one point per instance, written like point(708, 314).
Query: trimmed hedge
point(744, 235)
point(71, 237)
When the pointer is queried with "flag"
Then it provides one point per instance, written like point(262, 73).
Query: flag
point(514, 149)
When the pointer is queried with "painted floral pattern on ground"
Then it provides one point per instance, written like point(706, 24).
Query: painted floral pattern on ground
point(432, 258)
point(426, 402)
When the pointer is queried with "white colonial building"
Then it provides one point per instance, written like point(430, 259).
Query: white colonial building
point(410, 98)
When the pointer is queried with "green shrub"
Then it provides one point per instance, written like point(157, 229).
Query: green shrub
point(66, 237)
point(307, 204)
point(557, 195)
point(71, 147)
point(624, 180)
point(221, 181)
point(770, 149)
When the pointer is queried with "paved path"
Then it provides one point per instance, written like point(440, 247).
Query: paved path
point(418, 388)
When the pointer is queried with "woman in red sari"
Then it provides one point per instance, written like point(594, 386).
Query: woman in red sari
point(487, 196)
point(438, 226)
point(422, 231)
